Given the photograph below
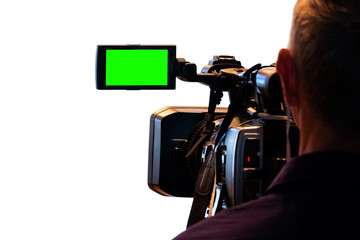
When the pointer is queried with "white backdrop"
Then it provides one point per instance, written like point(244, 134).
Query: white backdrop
point(73, 160)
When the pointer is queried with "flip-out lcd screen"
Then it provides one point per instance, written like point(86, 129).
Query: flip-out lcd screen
point(135, 67)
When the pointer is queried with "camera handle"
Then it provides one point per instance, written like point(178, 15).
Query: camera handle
point(187, 72)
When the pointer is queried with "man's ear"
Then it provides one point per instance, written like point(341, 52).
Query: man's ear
point(287, 70)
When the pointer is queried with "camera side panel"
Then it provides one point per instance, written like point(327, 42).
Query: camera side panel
point(170, 127)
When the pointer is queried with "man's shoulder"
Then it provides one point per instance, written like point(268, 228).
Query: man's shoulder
point(257, 219)
point(308, 198)
point(321, 167)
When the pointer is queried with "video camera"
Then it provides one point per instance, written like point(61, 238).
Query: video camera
point(220, 156)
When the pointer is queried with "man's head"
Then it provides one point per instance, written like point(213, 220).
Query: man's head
point(320, 69)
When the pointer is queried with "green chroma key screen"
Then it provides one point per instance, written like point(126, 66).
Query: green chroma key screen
point(136, 67)
point(133, 67)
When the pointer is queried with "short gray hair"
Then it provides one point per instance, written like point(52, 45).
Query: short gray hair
point(325, 44)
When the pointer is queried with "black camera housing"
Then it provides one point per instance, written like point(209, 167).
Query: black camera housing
point(252, 153)
point(238, 149)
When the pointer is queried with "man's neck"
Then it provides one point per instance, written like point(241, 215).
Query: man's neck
point(317, 137)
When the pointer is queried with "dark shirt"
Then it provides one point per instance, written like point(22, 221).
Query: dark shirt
point(314, 196)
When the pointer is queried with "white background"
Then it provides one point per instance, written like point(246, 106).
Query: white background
point(73, 160)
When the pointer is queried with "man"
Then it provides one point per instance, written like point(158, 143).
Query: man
point(317, 194)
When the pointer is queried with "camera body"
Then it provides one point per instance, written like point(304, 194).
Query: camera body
point(231, 154)
point(251, 153)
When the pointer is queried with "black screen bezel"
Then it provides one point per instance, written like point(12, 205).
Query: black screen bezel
point(101, 66)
